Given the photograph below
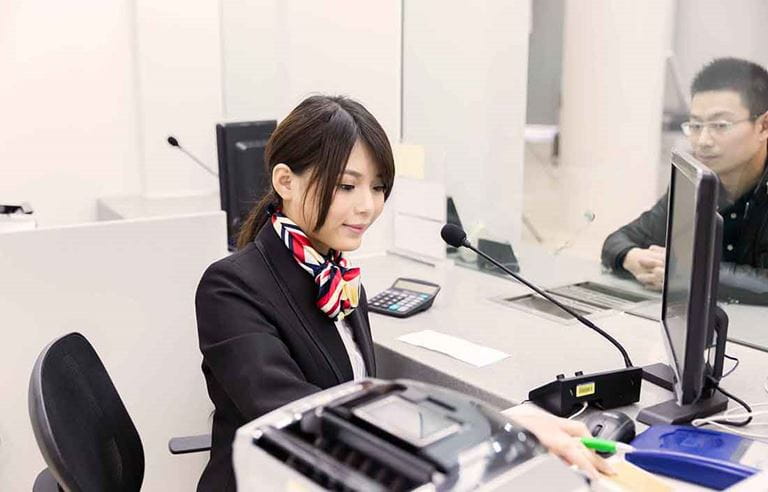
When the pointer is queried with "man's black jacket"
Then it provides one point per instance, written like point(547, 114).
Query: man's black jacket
point(743, 277)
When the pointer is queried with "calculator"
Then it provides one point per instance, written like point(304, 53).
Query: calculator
point(406, 297)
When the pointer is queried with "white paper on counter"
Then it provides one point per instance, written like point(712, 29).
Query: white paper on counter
point(458, 348)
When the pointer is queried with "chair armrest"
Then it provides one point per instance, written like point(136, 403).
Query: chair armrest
point(189, 444)
point(45, 482)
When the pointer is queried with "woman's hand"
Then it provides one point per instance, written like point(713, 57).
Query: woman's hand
point(558, 436)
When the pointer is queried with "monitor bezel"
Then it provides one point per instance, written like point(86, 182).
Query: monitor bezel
point(690, 379)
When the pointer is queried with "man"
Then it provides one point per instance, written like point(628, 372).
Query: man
point(728, 132)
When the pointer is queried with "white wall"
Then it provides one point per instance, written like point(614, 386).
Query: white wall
point(90, 91)
point(277, 52)
point(68, 130)
point(178, 68)
point(128, 286)
point(464, 98)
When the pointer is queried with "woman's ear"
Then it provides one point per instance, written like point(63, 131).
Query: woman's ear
point(283, 181)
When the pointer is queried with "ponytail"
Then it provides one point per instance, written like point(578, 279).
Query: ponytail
point(257, 217)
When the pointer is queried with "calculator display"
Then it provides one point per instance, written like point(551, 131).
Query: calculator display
point(416, 287)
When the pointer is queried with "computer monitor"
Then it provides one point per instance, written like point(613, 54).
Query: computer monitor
point(690, 318)
point(242, 173)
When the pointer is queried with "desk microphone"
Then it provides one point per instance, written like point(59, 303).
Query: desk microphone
point(175, 143)
point(565, 395)
point(456, 237)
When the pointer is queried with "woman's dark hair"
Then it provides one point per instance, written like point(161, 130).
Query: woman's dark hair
point(317, 137)
point(749, 79)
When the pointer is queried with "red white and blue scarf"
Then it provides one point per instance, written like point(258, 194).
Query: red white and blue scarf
point(338, 285)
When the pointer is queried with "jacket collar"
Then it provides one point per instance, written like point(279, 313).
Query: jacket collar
point(301, 292)
point(759, 193)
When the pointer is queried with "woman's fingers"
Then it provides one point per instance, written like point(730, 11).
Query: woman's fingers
point(576, 454)
point(602, 465)
point(576, 428)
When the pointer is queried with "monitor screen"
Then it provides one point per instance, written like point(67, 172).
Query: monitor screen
point(679, 263)
point(242, 173)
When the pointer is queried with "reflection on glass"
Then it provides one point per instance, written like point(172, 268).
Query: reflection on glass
point(727, 130)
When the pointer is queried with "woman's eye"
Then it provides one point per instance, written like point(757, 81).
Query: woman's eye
point(380, 188)
point(346, 187)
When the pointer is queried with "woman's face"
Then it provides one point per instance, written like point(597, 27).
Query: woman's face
point(357, 203)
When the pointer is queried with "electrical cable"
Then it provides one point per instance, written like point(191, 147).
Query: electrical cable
point(581, 410)
point(740, 402)
point(723, 421)
point(730, 371)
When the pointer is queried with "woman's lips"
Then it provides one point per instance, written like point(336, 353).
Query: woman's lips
point(356, 228)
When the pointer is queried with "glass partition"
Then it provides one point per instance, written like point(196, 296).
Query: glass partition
point(551, 124)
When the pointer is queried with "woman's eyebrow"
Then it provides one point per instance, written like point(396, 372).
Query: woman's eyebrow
point(357, 174)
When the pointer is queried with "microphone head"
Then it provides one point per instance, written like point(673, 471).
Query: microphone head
point(172, 141)
point(453, 235)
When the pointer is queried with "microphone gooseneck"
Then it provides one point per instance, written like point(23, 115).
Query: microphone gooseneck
point(173, 142)
point(456, 237)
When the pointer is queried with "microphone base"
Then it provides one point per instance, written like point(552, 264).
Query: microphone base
point(605, 390)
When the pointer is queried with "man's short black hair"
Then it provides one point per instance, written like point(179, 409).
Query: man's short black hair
point(749, 79)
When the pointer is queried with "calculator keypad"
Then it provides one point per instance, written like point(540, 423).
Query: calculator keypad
point(397, 300)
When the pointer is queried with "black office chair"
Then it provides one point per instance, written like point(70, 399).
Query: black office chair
point(82, 428)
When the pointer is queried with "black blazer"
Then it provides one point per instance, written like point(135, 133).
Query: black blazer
point(265, 343)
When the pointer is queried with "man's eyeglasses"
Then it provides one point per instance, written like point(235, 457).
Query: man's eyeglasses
point(719, 127)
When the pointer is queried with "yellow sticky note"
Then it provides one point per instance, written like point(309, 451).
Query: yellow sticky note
point(409, 160)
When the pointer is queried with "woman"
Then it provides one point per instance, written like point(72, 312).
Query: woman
point(286, 315)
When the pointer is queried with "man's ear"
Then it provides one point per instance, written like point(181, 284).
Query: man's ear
point(283, 181)
point(762, 125)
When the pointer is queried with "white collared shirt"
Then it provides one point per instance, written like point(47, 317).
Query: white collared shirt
point(355, 357)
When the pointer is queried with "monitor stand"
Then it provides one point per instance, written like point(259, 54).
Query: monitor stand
point(711, 401)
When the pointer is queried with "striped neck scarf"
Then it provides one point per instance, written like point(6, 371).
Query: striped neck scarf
point(338, 285)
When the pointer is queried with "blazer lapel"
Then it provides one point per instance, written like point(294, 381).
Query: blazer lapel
point(301, 291)
point(361, 331)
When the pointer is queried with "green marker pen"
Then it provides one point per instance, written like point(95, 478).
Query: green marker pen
point(606, 446)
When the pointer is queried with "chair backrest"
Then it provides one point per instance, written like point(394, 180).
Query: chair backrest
point(82, 427)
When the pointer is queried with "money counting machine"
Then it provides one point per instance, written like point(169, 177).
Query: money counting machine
point(393, 435)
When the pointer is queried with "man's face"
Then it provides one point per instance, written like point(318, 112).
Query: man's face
point(723, 148)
